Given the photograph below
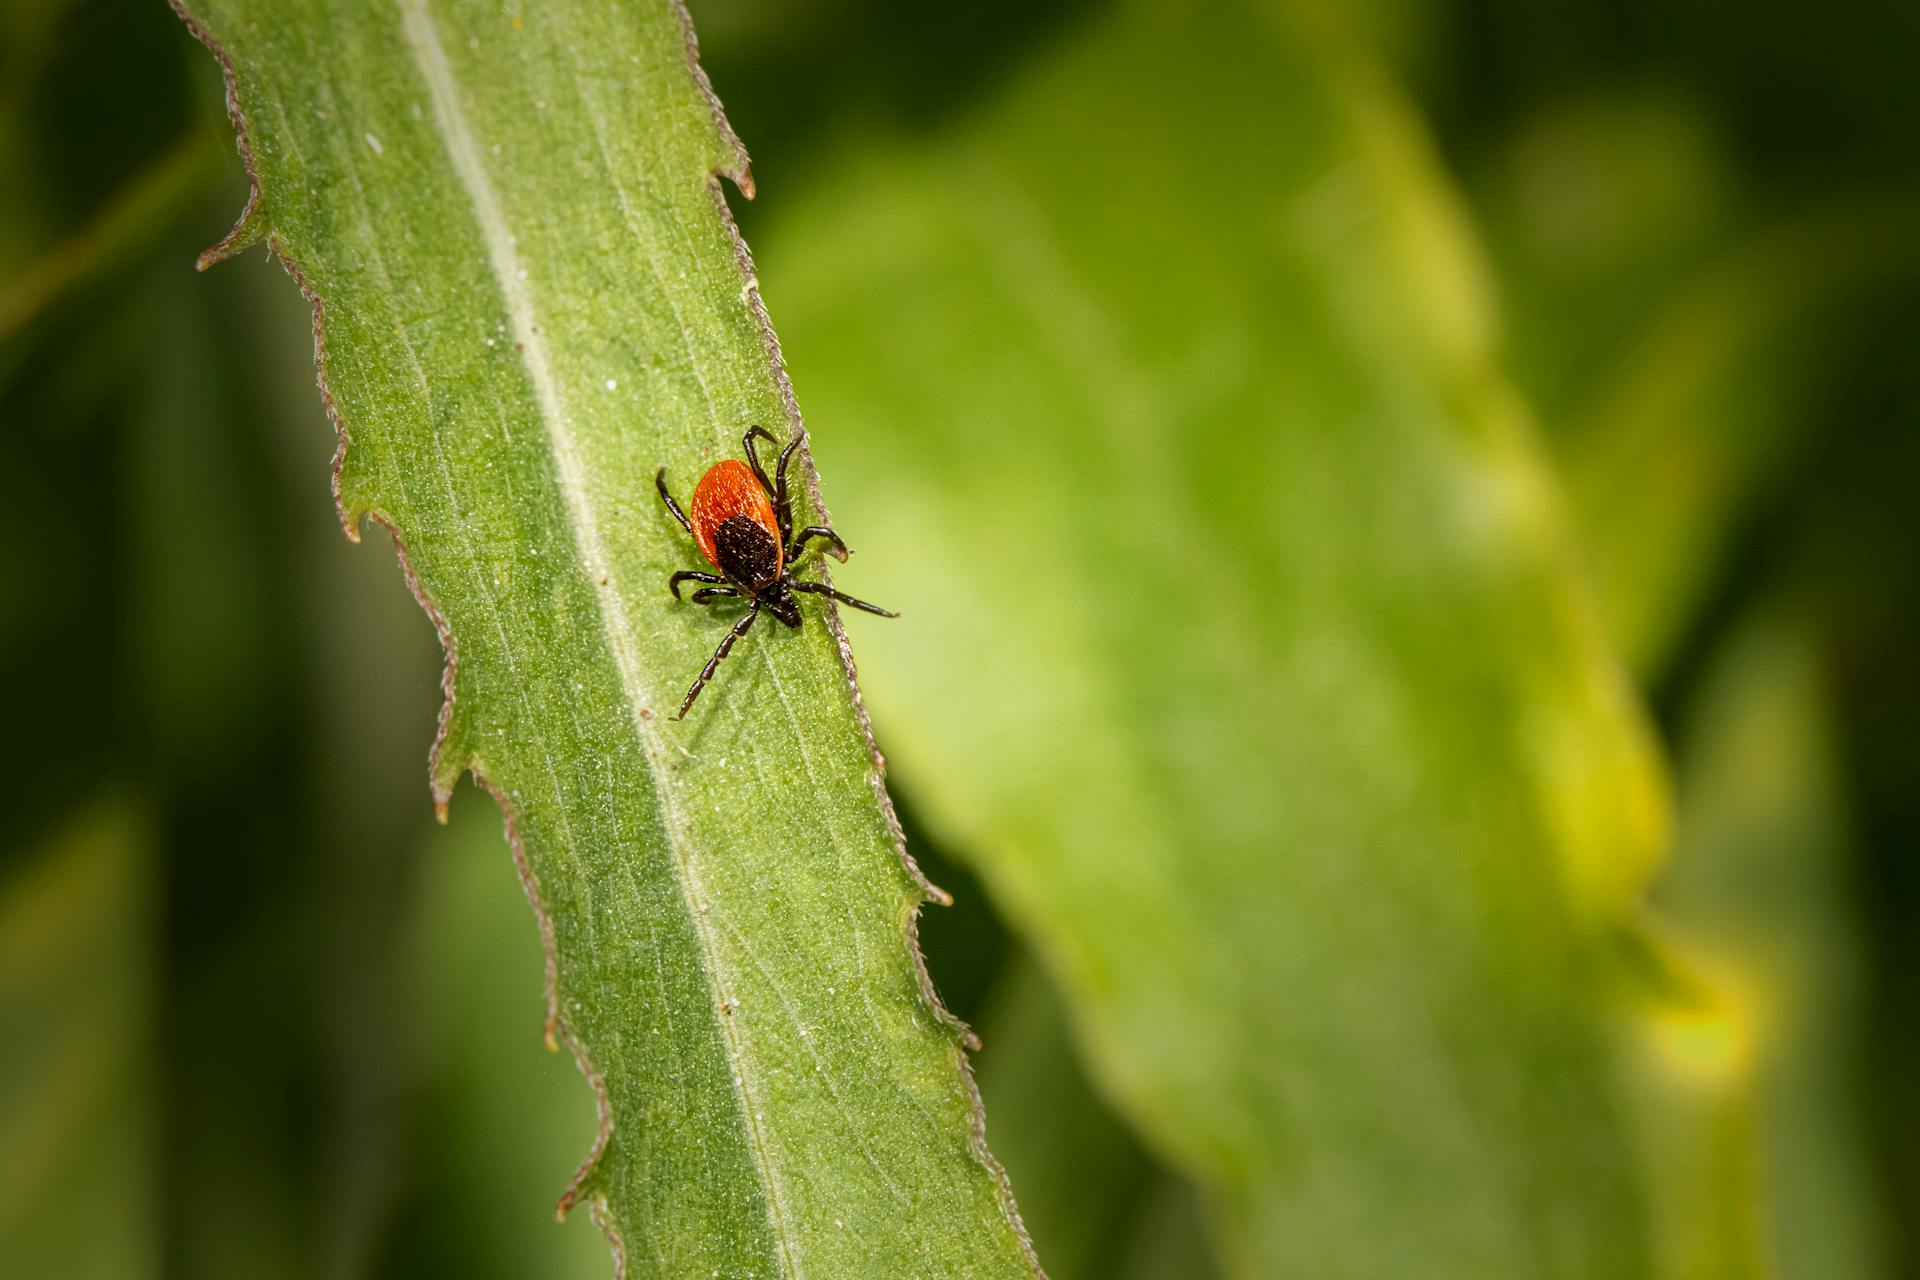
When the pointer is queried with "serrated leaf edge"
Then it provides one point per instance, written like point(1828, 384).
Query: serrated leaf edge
point(251, 229)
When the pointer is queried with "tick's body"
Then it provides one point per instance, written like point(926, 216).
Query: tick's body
point(744, 526)
point(733, 521)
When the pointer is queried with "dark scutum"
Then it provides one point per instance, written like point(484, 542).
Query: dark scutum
point(747, 553)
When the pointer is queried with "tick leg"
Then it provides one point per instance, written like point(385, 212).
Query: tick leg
point(706, 672)
point(689, 575)
point(780, 507)
point(707, 595)
point(777, 487)
point(660, 483)
point(822, 589)
point(756, 431)
point(838, 550)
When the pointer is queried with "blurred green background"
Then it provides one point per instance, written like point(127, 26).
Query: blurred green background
point(259, 1015)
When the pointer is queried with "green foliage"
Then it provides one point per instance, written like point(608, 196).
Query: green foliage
point(75, 1106)
point(1760, 878)
point(1096, 1203)
point(1674, 341)
point(503, 1119)
point(1255, 659)
point(728, 916)
point(1304, 766)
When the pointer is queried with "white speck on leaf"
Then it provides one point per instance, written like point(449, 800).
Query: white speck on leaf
point(375, 144)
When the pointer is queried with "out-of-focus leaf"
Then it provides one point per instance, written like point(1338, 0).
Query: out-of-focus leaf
point(1098, 1206)
point(1685, 343)
point(214, 557)
point(78, 1190)
point(146, 206)
point(1676, 345)
point(1761, 877)
point(1608, 197)
point(1671, 448)
point(1244, 649)
point(73, 124)
point(511, 227)
point(502, 1113)
point(1083, 1175)
point(1166, 1237)
point(1710, 403)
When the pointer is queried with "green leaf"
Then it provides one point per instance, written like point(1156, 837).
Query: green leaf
point(1762, 875)
point(1083, 1173)
point(79, 1194)
point(144, 207)
point(1680, 347)
point(1718, 396)
point(502, 1116)
point(527, 297)
point(1096, 1205)
point(1247, 654)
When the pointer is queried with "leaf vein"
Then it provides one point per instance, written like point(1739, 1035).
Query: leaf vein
point(463, 151)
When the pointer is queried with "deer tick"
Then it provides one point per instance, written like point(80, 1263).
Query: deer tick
point(743, 525)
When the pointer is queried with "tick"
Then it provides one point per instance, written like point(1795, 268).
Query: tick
point(743, 525)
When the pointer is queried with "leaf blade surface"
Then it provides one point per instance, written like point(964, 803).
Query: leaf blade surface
point(527, 296)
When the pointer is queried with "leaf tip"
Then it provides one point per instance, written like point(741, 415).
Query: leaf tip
point(246, 233)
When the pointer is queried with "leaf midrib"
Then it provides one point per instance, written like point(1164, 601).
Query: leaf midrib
point(423, 42)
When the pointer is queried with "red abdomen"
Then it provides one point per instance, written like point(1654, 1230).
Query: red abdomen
point(730, 490)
